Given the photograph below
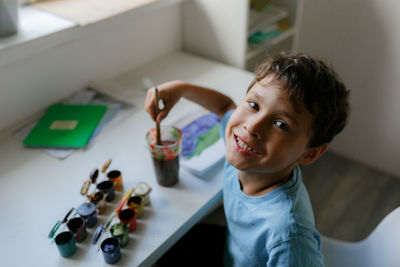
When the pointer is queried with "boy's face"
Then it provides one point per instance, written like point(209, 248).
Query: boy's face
point(266, 134)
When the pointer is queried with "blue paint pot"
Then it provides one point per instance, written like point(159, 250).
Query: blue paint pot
point(88, 212)
point(111, 250)
point(66, 244)
point(107, 187)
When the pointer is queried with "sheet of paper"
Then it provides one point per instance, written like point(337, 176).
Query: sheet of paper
point(202, 149)
point(81, 97)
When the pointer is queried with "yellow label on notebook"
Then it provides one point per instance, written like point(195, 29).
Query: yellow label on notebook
point(63, 125)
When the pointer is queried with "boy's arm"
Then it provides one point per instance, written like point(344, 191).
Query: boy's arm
point(298, 251)
point(171, 92)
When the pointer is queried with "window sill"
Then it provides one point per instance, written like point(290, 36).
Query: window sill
point(40, 30)
point(35, 30)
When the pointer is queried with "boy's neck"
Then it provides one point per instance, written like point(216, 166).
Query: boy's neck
point(257, 184)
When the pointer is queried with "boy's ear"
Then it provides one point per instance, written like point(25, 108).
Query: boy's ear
point(312, 154)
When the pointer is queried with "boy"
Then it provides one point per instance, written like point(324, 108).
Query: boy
point(291, 111)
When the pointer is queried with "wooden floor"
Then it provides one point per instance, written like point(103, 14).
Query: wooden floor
point(349, 199)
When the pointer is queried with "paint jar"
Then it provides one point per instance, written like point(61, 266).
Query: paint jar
point(165, 156)
point(100, 201)
point(128, 217)
point(107, 187)
point(111, 250)
point(116, 177)
point(88, 212)
point(136, 203)
point(120, 232)
point(77, 226)
point(66, 244)
point(143, 190)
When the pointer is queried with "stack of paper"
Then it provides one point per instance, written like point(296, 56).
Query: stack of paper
point(86, 97)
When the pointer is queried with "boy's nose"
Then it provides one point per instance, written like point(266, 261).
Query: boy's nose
point(254, 127)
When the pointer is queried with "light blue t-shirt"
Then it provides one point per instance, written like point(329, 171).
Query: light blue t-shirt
point(275, 229)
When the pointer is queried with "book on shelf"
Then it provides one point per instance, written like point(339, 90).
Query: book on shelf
point(259, 37)
point(271, 14)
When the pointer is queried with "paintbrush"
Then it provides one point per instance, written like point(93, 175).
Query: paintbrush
point(158, 134)
point(104, 227)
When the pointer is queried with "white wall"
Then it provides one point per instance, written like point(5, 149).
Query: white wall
point(109, 47)
point(362, 40)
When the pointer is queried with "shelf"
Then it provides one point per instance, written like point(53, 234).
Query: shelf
point(269, 16)
point(269, 43)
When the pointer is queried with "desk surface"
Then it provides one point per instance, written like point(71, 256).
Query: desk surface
point(36, 190)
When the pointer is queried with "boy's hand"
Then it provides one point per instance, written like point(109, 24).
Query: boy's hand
point(169, 93)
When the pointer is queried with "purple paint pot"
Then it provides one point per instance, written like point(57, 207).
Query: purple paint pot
point(77, 226)
point(88, 212)
point(111, 250)
point(66, 244)
point(107, 187)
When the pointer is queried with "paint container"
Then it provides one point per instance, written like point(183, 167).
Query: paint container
point(136, 203)
point(116, 177)
point(88, 212)
point(128, 216)
point(100, 201)
point(143, 190)
point(107, 187)
point(165, 156)
point(66, 244)
point(120, 232)
point(77, 226)
point(111, 250)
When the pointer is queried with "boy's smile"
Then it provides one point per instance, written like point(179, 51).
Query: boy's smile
point(266, 135)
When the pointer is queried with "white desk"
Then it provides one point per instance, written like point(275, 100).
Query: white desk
point(36, 190)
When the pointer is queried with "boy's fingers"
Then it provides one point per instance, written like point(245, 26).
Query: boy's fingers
point(162, 114)
point(150, 108)
point(149, 104)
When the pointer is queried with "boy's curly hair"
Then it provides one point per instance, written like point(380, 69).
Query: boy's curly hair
point(314, 83)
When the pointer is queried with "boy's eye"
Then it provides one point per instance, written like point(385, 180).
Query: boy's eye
point(282, 125)
point(254, 105)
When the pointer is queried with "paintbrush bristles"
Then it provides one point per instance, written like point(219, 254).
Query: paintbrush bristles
point(158, 133)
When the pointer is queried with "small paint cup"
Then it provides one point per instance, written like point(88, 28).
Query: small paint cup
point(100, 201)
point(116, 177)
point(77, 226)
point(66, 244)
point(128, 217)
point(88, 212)
point(136, 203)
point(165, 156)
point(143, 190)
point(111, 250)
point(107, 187)
point(120, 232)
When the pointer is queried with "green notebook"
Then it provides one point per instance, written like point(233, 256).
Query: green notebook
point(66, 126)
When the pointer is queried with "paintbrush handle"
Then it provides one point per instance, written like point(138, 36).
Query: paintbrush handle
point(158, 132)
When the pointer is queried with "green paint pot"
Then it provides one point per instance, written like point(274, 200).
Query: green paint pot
point(66, 244)
point(120, 232)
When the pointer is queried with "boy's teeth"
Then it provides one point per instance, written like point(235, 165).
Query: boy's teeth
point(243, 145)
